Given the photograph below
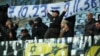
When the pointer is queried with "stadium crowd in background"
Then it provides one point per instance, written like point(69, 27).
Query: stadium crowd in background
point(59, 27)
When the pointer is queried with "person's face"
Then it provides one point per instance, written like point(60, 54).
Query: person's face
point(8, 22)
point(66, 26)
point(24, 34)
point(54, 14)
point(89, 16)
point(97, 25)
point(62, 25)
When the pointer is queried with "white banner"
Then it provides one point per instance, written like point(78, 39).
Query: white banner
point(31, 11)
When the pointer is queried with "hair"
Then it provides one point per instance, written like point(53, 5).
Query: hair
point(38, 19)
point(90, 13)
point(64, 21)
point(98, 16)
point(10, 21)
point(24, 30)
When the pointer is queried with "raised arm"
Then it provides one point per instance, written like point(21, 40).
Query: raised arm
point(63, 13)
point(49, 15)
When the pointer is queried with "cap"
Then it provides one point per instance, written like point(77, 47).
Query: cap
point(55, 11)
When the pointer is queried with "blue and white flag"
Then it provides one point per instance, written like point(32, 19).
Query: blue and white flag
point(31, 11)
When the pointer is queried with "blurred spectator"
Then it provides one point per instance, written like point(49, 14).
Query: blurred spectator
point(54, 29)
point(39, 28)
point(55, 18)
point(3, 14)
point(11, 30)
point(88, 29)
point(89, 24)
point(72, 20)
point(66, 29)
point(3, 19)
point(98, 16)
point(24, 34)
point(29, 26)
point(96, 29)
point(66, 32)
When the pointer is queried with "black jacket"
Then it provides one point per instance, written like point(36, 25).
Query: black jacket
point(52, 33)
point(95, 31)
point(55, 21)
point(69, 33)
point(88, 27)
point(13, 31)
point(39, 30)
point(54, 29)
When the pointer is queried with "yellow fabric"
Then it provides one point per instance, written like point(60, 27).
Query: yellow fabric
point(93, 50)
point(28, 48)
point(45, 48)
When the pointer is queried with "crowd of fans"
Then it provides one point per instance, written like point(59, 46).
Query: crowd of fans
point(58, 28)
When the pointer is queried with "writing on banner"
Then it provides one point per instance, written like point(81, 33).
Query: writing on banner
point(76, 6)
point(31, 11)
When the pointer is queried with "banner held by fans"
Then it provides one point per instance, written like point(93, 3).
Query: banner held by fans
point(31, 11)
